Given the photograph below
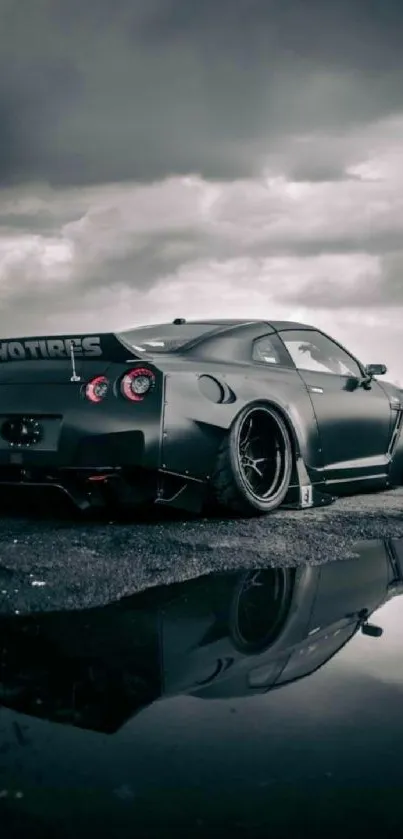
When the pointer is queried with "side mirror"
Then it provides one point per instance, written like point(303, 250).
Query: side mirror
point(371, 630)
point(376, 370)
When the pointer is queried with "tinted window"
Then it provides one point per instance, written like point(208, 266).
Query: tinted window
point(265, 351)
point(270, 350)
point(313, 351)
point(165, 337)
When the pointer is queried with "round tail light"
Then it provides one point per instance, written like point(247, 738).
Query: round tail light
point(137, 383)
point(97, 389)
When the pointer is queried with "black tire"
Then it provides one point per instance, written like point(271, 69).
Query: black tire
point(260, 606)
point(234, 483)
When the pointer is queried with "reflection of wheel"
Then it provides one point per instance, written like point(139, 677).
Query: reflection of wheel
point(254, 464)
point(260, 607)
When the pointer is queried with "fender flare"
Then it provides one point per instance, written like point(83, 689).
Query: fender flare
point(281, 411)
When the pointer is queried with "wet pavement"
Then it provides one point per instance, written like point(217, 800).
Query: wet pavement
point(51, 561)
point(258, 701)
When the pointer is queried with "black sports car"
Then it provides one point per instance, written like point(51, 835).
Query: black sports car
point(247, 414)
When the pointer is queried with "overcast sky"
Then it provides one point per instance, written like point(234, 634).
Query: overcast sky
point(165, 158)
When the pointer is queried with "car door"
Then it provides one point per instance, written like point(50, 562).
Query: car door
point(355, 423)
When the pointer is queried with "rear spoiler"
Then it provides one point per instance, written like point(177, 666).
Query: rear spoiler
point(106, 346)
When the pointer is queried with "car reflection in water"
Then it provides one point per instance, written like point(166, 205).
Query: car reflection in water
point(218, 636)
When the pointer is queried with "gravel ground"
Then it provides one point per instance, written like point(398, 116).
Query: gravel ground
point(51, 563)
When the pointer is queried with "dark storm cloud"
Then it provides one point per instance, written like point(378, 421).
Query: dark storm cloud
point(107, 90)
point(155, 260)
point(162, 255)
point(134, 247)
point(140, 270)
point(42, 224)
point(369, 292)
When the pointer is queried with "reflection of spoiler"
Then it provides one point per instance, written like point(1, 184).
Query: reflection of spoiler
point(58, 347)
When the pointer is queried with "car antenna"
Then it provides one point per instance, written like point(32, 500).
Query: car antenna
point(73, 377)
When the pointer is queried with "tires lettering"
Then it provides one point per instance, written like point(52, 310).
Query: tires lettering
point(53, 348)
point(77, 347)
point(43, 348)
point(16, 350)
point(56, 348)
point(92, 346)
point(32, 347)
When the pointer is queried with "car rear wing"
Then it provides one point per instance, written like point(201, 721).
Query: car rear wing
point(102, 346)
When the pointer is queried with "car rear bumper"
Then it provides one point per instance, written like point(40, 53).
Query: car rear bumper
point(102, 487)
point(84, 487)
point(84, 450)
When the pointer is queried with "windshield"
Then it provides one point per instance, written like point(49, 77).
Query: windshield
point(165, 337)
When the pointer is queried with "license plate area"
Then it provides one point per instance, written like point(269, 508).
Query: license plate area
point(48, 441)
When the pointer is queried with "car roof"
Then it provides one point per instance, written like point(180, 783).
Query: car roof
point(277, 325)
point(280, 325)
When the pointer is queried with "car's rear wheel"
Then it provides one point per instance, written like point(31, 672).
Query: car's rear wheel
point(254, 464)
point(260, 606)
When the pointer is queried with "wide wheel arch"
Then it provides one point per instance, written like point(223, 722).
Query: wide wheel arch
point(277, 409)
point(282, 413)
point(226, 484)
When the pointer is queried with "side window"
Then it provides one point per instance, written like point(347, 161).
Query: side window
point(265, 351)
point(270, 350)
point(313, 351)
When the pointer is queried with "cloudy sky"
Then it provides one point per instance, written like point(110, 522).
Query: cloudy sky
point(165, 158)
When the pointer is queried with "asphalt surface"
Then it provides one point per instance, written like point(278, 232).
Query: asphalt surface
point(49, 561)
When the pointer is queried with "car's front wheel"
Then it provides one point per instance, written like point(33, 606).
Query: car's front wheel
point(254, 463)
